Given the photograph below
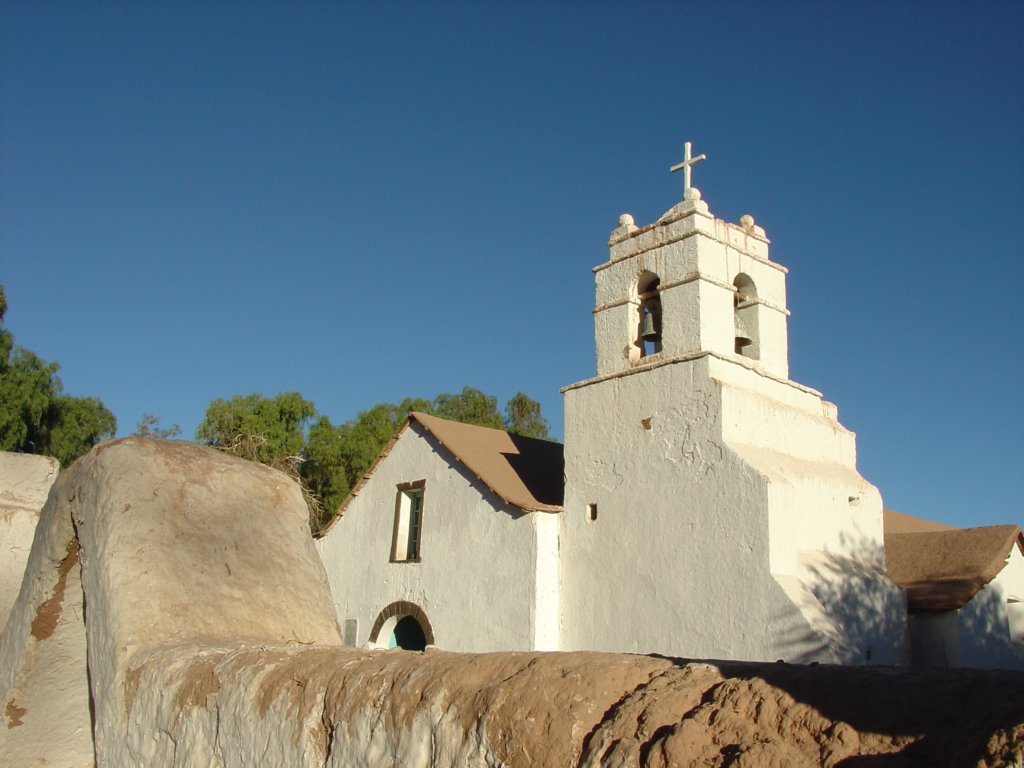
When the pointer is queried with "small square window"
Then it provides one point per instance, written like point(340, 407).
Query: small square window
point(405, 545)
point(591, 512)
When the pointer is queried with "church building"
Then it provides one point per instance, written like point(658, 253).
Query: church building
point(707, 507)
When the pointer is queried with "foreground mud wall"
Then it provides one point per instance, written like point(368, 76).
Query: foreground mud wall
point(340, 707)
point(189, 583)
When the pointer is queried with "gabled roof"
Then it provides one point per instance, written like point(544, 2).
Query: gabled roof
point(942, 567)
point(521, 471)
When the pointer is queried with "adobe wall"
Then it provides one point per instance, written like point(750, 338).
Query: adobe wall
point(211, 641)
point(166, 545)
point(25, 481)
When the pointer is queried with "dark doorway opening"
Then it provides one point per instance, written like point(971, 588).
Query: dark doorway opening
point(409, 634)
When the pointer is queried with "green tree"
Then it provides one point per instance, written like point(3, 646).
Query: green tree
point(363, 438)
point(35, 415)
point(338, 456)
point(470, 406)
point(272, 428)
point(324, 470)
point(149, 426)
point(269, 430)
point(75, 425)
point(6, 339)
point(27, 389)
point(523, 417)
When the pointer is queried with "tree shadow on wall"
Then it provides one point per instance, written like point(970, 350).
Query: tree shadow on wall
point(985, 622)
point(949, 717)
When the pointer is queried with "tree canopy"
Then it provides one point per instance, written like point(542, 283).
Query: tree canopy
point(334, 457)
point(35, 414)
point(279, 422)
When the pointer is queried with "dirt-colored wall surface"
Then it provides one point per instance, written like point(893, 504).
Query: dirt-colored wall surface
point(343, 707)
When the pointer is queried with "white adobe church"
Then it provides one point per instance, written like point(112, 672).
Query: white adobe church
point(710, 507)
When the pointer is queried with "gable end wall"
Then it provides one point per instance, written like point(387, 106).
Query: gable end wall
point(476, 577)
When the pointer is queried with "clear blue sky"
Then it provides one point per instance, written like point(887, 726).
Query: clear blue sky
point(362, 202)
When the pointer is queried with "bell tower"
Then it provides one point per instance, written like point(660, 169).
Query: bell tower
point(709, 498)
point(686, 285)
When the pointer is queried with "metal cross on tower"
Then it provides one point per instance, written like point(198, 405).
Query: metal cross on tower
point(688, 162)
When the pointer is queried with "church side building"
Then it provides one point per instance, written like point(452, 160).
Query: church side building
point(712, 506)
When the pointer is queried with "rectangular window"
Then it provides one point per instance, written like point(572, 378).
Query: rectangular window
point(405, 544)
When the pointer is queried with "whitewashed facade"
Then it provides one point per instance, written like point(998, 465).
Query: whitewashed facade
point(485, 575)
point(712, 507)
point(731, 521)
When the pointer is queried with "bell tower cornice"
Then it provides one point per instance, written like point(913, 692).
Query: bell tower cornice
point(686, 219)
point(687, 284)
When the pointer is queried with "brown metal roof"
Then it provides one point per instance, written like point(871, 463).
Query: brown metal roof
point(521, 471)
point(942, 567)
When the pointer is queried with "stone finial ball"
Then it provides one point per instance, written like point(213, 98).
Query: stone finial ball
point(747, 221)
point(692, 194)
point(625, 220)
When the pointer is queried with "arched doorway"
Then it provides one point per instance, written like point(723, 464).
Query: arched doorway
point(402, 625)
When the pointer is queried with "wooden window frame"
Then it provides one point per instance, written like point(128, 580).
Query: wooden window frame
point(400, 542)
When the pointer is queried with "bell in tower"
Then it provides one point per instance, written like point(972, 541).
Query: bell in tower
point(650, 316)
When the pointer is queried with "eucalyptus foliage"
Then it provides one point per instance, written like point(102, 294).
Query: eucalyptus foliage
point(35, 414)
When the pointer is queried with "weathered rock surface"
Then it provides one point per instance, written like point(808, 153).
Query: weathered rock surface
point(171, 545)
point(211, 641)
point(25, 481)
point(342, 707)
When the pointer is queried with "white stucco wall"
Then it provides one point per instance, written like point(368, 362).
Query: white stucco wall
point(547, 617)
point(481, 559)
point(991, 631)
point(678, 559)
